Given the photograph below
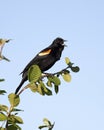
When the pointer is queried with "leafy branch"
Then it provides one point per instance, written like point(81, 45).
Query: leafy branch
point(47, 124)
point(8, 115)
point(43, 82)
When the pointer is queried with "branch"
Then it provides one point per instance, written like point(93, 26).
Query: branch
point(35, 76)
point(47, 75)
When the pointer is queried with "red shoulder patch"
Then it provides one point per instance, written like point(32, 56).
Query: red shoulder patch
point(43, 53)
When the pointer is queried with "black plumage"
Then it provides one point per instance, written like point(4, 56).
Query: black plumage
point(45, 59)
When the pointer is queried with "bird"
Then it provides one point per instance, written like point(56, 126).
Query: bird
point(45, 59)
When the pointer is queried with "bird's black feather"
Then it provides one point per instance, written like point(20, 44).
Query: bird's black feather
point(45, 59)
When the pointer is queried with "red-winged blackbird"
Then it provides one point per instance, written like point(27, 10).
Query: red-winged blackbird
point(45, 59)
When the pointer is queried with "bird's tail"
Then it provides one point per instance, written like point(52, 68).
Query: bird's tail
point(20, 85)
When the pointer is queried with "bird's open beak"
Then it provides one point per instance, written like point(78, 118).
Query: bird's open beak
point(65, 44)
point(65, 40)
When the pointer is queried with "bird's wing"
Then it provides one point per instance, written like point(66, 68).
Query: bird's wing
point(40, 56)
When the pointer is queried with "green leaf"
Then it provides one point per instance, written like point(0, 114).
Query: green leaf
point(13, 127)
point(67, 60)
point(49, 83)
point(16, 110)
point(34, 73)
point(1, 80)
point(33, 87)
point(46, 122)
point(18, 119)
point(1, 128)
point(3, 117)
point(75, 69)
point(66, 77)
point(14, 99)
point(42, 126)
point(15, 119)
point(45, 89)
point(5, 58)
point(55, 80)
point(2, 92)
point(40, 90)
point(56, 89)
point(3, 108)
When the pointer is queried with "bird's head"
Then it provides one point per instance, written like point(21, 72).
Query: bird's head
point(59, 42)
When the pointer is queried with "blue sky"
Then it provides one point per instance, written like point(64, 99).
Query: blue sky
point(33, 25)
